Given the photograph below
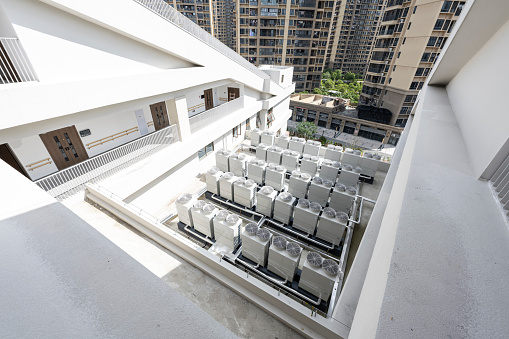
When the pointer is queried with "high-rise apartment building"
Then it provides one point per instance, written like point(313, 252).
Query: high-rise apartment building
point(410, 38)
point(224, 22)
point(201, 12)
point(356, 23)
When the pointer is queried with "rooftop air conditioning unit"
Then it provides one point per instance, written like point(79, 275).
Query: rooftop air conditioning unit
point(255, 244)
point(226, 185)
point(351, 157)
point(309, 164)
point(349, 176)
point(275, 176)
point(305, 216)
point(203, 214)
point(268, 138)
point(227, 229)
point(299, 184)
point(297, 144)
point(369, 164)
point(319, 190)
point(333, 153)
point(222, 160)
point(244, 192)
point(342, 198)
point(284, 258)
point(283, 207)
point(319, 275)
point(274, 154)
point(283, 141)
point(212, 179)
point(265, 200)
point(184, 205)
point(256, 170)
point(290, 159)
point(329, 170)
point(261, 152)
point(237, 164)
point(331, 226)
point(312, 147)
point(255, 137)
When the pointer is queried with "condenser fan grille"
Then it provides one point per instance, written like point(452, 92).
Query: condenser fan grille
point(330, 266)
point(304, 203)
point(285, 196)
point(263, 234)
point(314, 259)
point(293, 249)
point(185, 197)
point(232, 219)
point(213, 170)
point(251, 228)
point(315, 207)
point(222, 215)
point(199, 204)
point(279, 242)
point(228, 175)
point(340, 187)
point(329, 211)
point(267, 189)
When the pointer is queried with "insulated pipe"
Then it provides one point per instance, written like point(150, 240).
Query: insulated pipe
point(213, 196)
point(187, 228)
point(311, 301)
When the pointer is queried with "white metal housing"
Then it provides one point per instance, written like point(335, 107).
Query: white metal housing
point(333, 153)
point(226, 185)
point(290, 159)
point(265, 198)
point(184, 204)
point(237, 164)
point(299, 184)
point(329, 170)
point(305, 216)
point(255, 246)
point(297, 144)
point(283, 141)
point(284, 258)
point(312, 147)
point(283, 207)
point(309, 164)
point(319, 190)
point(274, 155)
point(275, 176)
point(212, 179)
point(256, 170)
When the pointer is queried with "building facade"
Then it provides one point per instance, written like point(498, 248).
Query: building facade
point(410, 38)
point(328, 112)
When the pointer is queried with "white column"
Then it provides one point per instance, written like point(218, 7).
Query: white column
point(177, 111)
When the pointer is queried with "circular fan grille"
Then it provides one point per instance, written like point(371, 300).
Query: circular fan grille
point(310, 142)
point(262, 145)
point(330, 146)
point(314, 259)
point(357, 152)
point(338, 148)
point(293, 249)
point(253, 161)
point(220, 151)
point(330, 267)
point(234, 157)
point(305, 176)
point(279, 242)
point(263, 234)
point(329, 211)
point(272, 148)
point(357, 169)
point(315, 207)
point(314, 158)
point(349, 150)
point(327, 162)
point(295, 174)
point(232, 219)
point(252, 228)
point(240, 181)
point(241, 156)
point(199, 204)
point(327, 183)
point(256, 130)
point(279, 149)
point(295, 153)
point(347, 167)
point(287, 152)
point(226, 152)
point(340, 187)
point(368, 155)
point(228, 175)
point(336, 164)
point(272, 166)
point(302, 140)
point(304, 203)
point(285, 196)
point(260, 163)
point(342, 217)
point(317, 180)
point(377, 157)
point(222, 215)
point(317, 143)
point(280, 168)
point(249, 183)
point(184, 198)
point(351, 190)
point(208, 208)
point(306, 156)
point(213, 170)
point(267, 189)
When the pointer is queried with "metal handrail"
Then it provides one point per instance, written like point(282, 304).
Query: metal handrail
point(14, 63)
point(169, 13)
point(72, 180)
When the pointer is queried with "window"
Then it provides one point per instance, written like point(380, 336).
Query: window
point(401, 122)
point(405, 110)
point(410, 98)
point(258, 121)
point(438, 24)
point(432, 41)
point(270, 118)
point(206, 150)
point(414, 85)
point(248, 124)
point(236, 131)
point(409, 25)
point(415, 8)
point(399, 54)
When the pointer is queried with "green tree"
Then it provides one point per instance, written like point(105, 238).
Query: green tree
point(306, 130)
point(349, 76)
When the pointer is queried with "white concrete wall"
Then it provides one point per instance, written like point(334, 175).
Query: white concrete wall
point(478, 96)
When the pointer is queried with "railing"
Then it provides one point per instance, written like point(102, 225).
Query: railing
point(14, 64)
point(111, 137)
point(71, 180)
point(39, 163)
point(210, 116)
point(172, 15)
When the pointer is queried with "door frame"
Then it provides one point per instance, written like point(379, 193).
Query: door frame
point(155, 115)
point(235, 91)
point(209, 99)
point(56, 154)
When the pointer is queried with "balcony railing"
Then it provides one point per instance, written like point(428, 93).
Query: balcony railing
point(71, 180)
point(14, 64)
point(204, 119)
point(172, 15)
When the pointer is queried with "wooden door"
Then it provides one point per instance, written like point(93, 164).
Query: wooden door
point(64, 146)
point(159, 115)
point(233, 93)
point(8, 156)
point(209, 99)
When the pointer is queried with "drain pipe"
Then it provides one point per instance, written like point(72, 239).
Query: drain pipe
point(277, 282)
